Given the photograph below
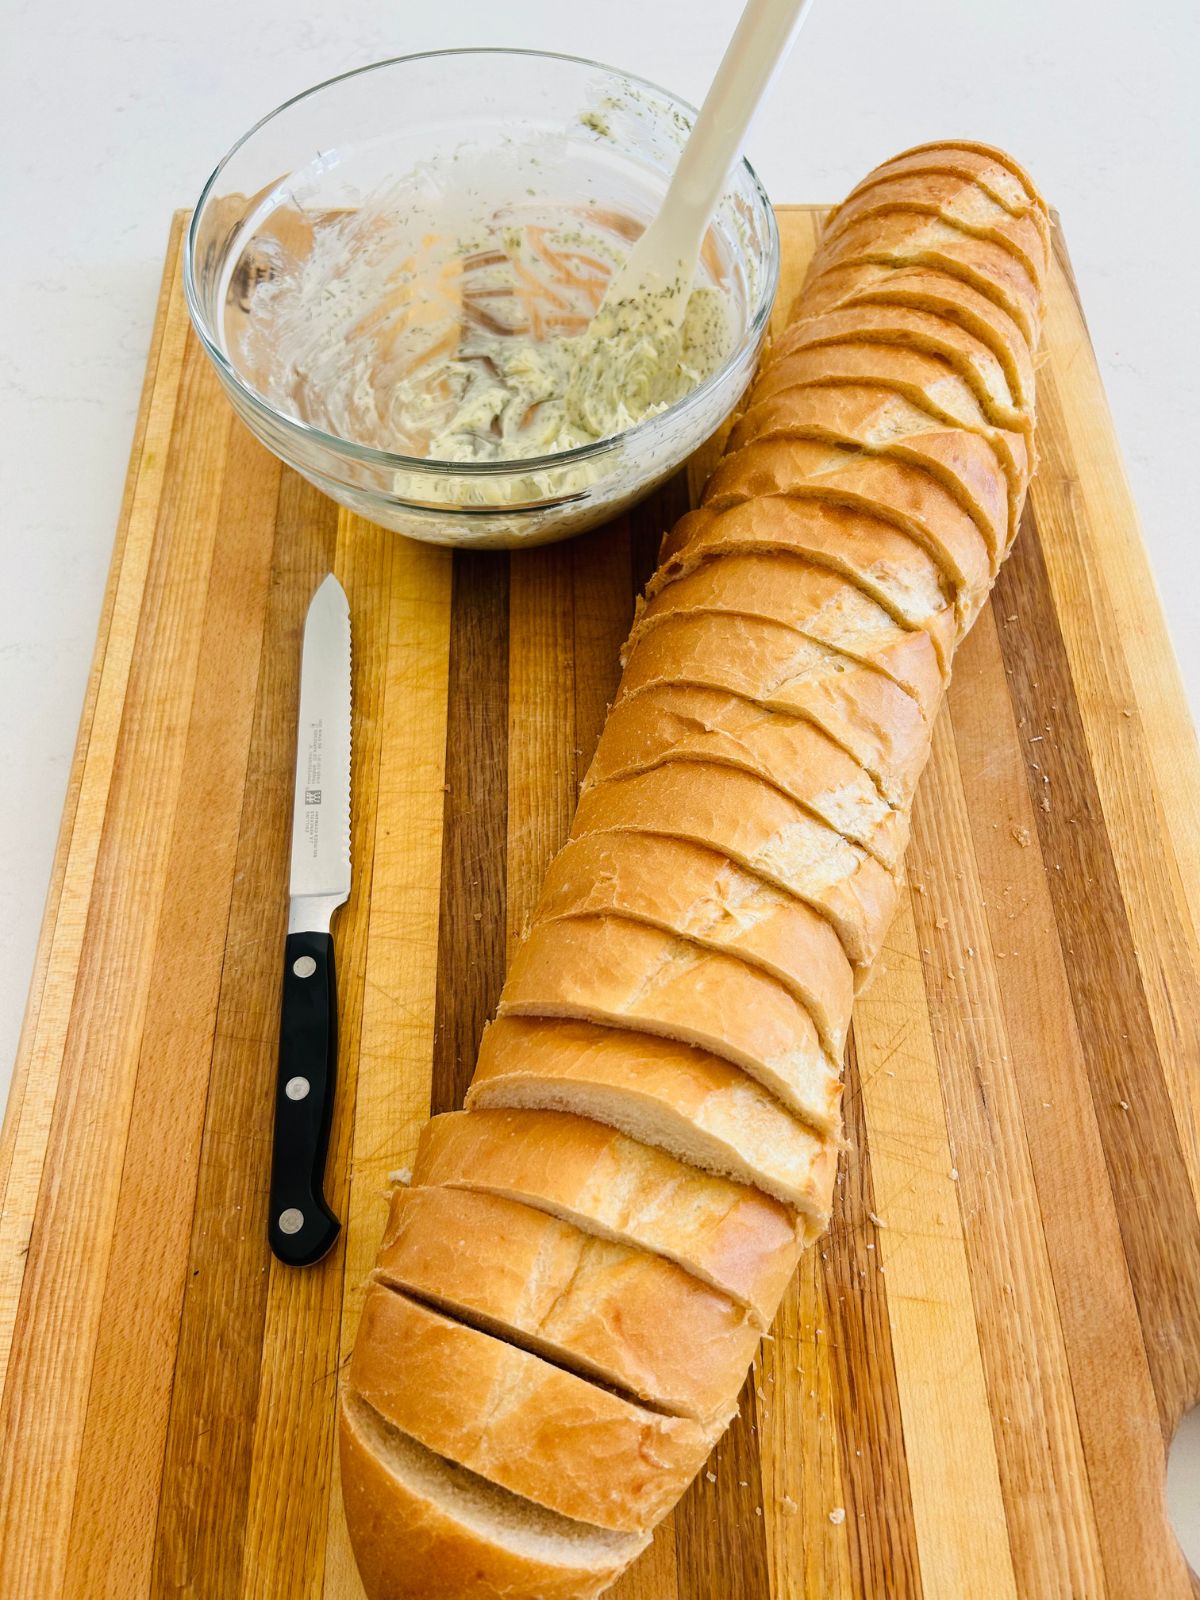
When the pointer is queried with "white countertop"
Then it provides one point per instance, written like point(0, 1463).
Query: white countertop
point(113, 115)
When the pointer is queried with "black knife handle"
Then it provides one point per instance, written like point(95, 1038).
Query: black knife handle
point(301, 1227)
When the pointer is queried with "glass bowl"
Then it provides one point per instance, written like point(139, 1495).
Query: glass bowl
point(448, 138)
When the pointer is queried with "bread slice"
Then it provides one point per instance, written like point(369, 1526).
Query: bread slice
point(913, 329)
point(669, 1095)
point(681, 723)
point(598, 1309)
point(956, 200)
point(867, 711)
point(885, 563)
point(732, 1237)
point(871, 283)
point(925, 380)
point(990, 169)
point(878, 422)
point(626, 974)
point(983, 161)
point(702, 895)
point(817, 604)
point(762, 830)
point(904, 496)
point(425, 1529)
point(520, 1423)
point(909, 239)
point(971, 358)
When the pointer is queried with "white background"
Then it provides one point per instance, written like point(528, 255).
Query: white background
point(112, 115)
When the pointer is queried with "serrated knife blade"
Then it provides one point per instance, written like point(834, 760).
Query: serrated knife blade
point(301, 1227)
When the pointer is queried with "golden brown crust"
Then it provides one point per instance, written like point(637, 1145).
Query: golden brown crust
point(908, 498)
point(519, 1422)
point(627, 974)
point(423, 1529)
point(993, 177)
point(877, 422)
point(729, 1235)
point(877, 557)
point(680, 723)
point(665, 1093)
point(912, 329)
point(871, 283)
point(600, 1309)
point(705, 897)
point(761, 829)
point(958, 201)
point(820, 606)
point(910, 239)
point(862, 707)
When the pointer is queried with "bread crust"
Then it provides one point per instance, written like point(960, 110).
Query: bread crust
point(627, 974)
point(729, 1235)
point(878, 422)
point(816, 604)
point(680, 723)
point(911, 239)
point(888, 565)
point(599, 1309)
point(873, 283)
point(519, 1422)
point(882, 718)
point(664, 1093)
point(761, 829)
point(425, 1531)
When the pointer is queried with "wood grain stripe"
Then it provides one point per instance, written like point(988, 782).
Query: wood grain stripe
point(122, 1449)
point(294, 1425)
point(45, 1396)
point(1124, 760)
point(1042, 1468)
point(957, 1502)
point(808, 1544)
point(473, 921)
point(720, 1535)
point(207, 1457)
point(26, 1133)
point(1092, 1296)
point(42, 962)
point(865, 1408)
point(1149, 1178)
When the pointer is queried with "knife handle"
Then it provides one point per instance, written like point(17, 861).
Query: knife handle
point(301, 1226)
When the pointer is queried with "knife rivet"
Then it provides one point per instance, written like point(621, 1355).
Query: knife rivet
point(304, 966)
point(291, 1220)
point(296, 1088)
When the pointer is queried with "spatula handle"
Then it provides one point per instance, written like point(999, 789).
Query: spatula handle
point(301, 1227)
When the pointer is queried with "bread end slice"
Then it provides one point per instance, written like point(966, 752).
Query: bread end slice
point(425, 1529)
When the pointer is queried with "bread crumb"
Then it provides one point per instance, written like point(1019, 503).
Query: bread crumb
point(954, 1174)
point(1124, 1104)
point(878, 1221)
point(1021, 835)
point(758, 1511)
point(401, 1175)
point(837, 1516)
point(711, 1476)
point(788, 1506)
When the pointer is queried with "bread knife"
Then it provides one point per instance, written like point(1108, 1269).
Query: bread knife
point(301, 1226)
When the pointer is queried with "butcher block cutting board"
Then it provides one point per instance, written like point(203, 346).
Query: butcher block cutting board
point(968, 1392)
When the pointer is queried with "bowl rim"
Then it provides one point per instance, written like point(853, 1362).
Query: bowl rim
point(523, 465)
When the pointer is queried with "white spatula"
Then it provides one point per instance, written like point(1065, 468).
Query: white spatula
point(635, 332)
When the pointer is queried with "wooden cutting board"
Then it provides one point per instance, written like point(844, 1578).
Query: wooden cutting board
point(967, 1392)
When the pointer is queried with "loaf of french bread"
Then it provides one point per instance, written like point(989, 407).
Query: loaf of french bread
point(573, 1282)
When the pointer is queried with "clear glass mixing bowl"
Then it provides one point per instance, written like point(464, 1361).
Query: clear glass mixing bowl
point(526, 135)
